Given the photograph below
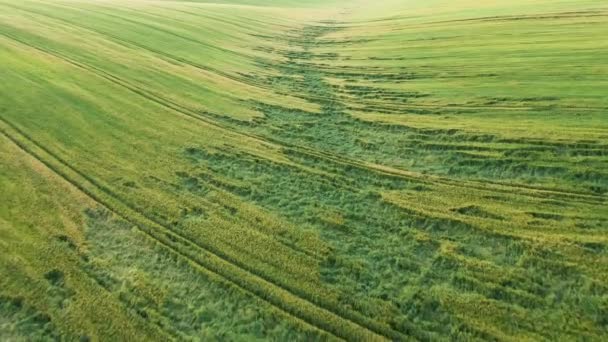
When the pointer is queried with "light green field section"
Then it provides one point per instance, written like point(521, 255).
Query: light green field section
point(282, 170)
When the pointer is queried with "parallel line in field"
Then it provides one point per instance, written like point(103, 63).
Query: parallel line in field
point(353, 317)
point(156, 28)
point(276, 295)
point(531, 107)
point(549, 15)
point(457, 184)
point(475, 20)
point(141, 227)
point(526, 190)
point(303, 149)
point(306, 41)
point(161, 54)
point(179, 22)
point(224, 20)
point(401, 107)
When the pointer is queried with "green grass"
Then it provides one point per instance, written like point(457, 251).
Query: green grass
point(286, 170)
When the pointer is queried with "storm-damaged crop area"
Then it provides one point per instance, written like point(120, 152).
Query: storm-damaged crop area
point(242, 170)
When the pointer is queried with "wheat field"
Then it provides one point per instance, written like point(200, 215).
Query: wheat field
point(243, 170)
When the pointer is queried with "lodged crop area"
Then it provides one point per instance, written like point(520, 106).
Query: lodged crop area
point(303, 170)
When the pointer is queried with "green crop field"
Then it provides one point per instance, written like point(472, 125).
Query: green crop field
point(303, 170)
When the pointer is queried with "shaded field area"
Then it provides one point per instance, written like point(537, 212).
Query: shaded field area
point(282, 170)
